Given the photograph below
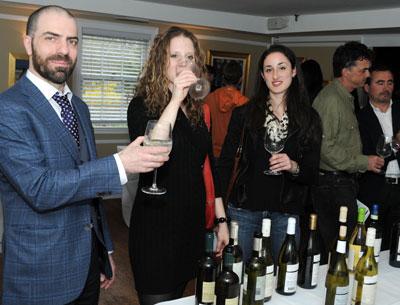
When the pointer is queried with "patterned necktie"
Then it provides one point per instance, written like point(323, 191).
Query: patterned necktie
point(68, 116)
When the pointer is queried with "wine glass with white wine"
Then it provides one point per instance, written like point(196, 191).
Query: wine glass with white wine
point(273, 144)
point(157, 133)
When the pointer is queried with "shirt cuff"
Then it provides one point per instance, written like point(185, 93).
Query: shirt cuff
point(121, 170)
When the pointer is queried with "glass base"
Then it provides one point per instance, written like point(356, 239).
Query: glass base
point(272, 173)
point(154, 190)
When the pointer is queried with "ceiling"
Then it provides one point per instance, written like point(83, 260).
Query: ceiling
point(270, 8)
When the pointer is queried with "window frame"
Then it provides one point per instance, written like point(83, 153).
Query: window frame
point(107, 29)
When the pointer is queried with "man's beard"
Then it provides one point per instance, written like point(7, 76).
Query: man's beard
point(58, 75)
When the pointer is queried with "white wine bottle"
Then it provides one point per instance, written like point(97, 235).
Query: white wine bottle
point(254, 275)
point(206, 274)
point(357, 241)
point(266, 253)
point(375, 224)
point(366, 274)
point(310, 258)
point(337, 278)
point(342, 222)
point(236, 250)
point(288, 262)
point(227, 287)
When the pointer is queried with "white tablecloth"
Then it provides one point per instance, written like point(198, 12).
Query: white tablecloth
point(388, 291)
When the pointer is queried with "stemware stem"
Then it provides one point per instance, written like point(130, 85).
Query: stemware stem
point(154, 184)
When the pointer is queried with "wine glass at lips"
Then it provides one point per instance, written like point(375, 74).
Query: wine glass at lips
point(273, 144)
point(157, 133)
point(201, 88)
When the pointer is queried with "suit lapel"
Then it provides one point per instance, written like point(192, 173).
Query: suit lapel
point(49, 117)
point(86, 127)
point(376, 128)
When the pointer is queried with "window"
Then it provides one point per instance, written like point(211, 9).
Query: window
point(110, 65)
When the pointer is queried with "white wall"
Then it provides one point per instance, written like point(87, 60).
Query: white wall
point(360, 20)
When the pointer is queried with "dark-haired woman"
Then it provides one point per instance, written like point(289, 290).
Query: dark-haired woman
point(167, 231)
point(280, 104)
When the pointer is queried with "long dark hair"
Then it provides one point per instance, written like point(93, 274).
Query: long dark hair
point(301, 116)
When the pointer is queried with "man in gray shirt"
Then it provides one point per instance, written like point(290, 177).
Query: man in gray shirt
point(341, 155)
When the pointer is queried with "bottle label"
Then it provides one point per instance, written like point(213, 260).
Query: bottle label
point(377, 248)
point(341, 246)
point(368, 291)
point(398, 246)
point(315, 268)
point(269, 281)
point(260, 288)
point(208, 292)
point(341, 295)
point(232, 301)
point(354, 255)
point(291, 278)
point(245, 283)
point(238, 269)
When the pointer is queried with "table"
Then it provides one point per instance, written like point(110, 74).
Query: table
point(388, 291)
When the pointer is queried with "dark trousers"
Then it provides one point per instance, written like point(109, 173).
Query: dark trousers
point(388, 198)
point(91, 291)
point(151, 299)
point(332, 192)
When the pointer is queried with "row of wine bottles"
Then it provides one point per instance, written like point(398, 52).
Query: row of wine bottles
point(257, 281)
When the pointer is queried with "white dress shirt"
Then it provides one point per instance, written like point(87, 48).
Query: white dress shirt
point(385, 119)
point(48, 91)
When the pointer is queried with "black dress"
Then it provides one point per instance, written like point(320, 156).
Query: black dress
point(166, 236)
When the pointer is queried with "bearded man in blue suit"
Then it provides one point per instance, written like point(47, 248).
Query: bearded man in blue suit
point(55, 231)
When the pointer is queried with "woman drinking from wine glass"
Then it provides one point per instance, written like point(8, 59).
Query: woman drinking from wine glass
point(167, 230)
point(280, 110)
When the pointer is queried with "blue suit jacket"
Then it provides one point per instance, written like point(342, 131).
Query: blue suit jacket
point(46, 191)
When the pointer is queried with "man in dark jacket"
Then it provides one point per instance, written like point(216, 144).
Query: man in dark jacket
point(381, 116)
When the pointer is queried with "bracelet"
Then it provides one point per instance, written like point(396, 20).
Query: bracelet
point(219, 220)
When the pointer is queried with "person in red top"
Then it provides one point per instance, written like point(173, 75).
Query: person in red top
point(222, 102)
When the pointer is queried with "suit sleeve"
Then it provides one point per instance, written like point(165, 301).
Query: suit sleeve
point(42, 173)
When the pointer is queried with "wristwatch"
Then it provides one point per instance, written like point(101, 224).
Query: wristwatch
point(219, 220)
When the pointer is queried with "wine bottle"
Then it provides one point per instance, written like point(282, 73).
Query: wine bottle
point(310, 258)
point(342, 222)
point(357, 241)
point(206, 274)
point(375, 224)
point(288, 262)
point(266, 253)
point(394, 258)
point(236, 250)
point(366, 274)
point(337, 278)
point(254, 275)
point(227, 287)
